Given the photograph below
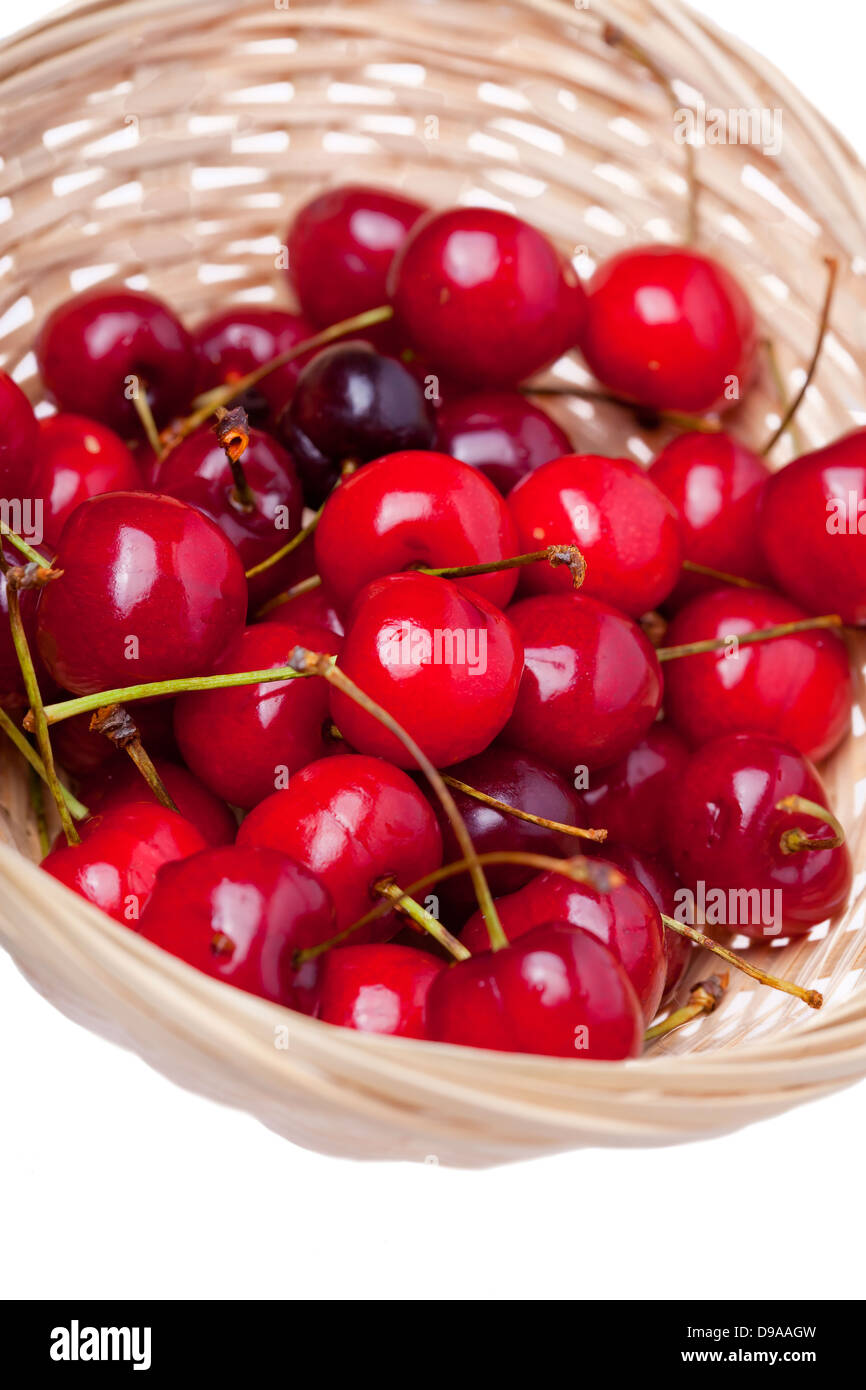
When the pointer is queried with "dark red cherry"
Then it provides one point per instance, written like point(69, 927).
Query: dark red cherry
point(236, 341)
point(813, 528)
point(120, 782)
point(796, 688)
point(76, 458)
point(245, 741)
point(341, 244)
point(83, 752)
point(121, 851)
point(315, 608)
point(352, 821)
point(626, 529)
point(659, 882)
point(96, 350)
point(151, 589)
point(716, 485)
point(413, 509)
point(671, 329)
point(378, 988)
point(521, 781)
point(17, 439)
point(557, 992)
point(240, 915)
point(351, 405)
point(441, 660)
point(484, 296)
point(591, 685)
point(625, 919)
point(630, 797)
point(730, 842)
point(501, 433)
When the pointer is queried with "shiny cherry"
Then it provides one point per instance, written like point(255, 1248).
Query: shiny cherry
point(726, 832)
point(501, 433)
point(119, 782)
point(484, 296)
point(240, 915)
point(236, 341)
point(76, 458)
point(557, 992)
point(440, 659)
point(591, 685)
point(316, 608)
point(375, 988)
point(96, 349)
point(671, 329)
point(658, 880)
point(411, 509)
point(813, 528)
point(630, 797)
point(242, 742)
point(151, 589)
point(626, 529)
point(17, 439)
point(352, 821)
point(797, 688)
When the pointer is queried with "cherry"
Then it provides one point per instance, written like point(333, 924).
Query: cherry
point(240, 915)
point(727, 832)
point(244, 740)
point(625, 527)
point(797, 688)
point(591, 684)
point(83, 752)
point(412, 509)
point(76, 458)
point(660, 883)
point(813, 527)
point(424, 648)
point(485, 296)
point(121, 851)
point(17, 438)
point(716, 485)
point(314, 607)
point(151, 589)
point(671, 329)
point(501, 433)
point(236, 341)
point(351, 405)
point(96, 349)
point(352, 821)
point(120, 782)
point(557, 992)
point(378, 988)
point(630, 797)
point(625, 919)
point(341, 244)
point(12, 692)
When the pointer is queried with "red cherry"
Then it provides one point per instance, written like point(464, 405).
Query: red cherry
point(150, 590)
point(813, 528)
point(415, 508)
point(242, 742)
point(671, 329)
point(626, 529)
point(74, 459)
point(95, 349)
point(121, 851)
point(591, 684)
point(557, 992)
point(17, 439)
point(352, 821)
point(660, 883)
point(379, 988)
point(315, 608)
point(726, 832)
point(625, 919)
point(501, 433)
point(484, 296)
point(236, 341)
point(797, 688)
point(716, 485)
point(440, 660)
point(120, 782)
point(341, 245)
point(240, 915)
point(629, 798)
point(83, 752)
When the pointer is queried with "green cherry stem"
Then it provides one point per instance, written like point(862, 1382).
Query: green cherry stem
point(745, 639)
point(703, 999)
point(651, 419)
point(599, 836)
point(567, 554)
point(388, 889)
point(735, 579)
point(21, 545)
point(36, 792)
point(808, 996)
point(796, 840)
point(305, 586)
point(296, 541)
point(148, 424)
point(27, 751)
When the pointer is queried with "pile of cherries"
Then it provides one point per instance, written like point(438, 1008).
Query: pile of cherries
point(478, 630)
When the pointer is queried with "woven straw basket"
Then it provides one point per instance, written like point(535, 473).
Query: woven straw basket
point(169, 140)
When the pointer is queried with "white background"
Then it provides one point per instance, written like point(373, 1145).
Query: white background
point(116, 1184)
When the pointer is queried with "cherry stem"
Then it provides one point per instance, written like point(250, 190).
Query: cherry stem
point(648, 417)
point(832, 269)
point(809, 996)
point(21, 545)
point(795, 840)
point(782, 392)
point(735, 579)
point(27, 751)
point(387, 888)
point(599, 836)
point(555, 555)
point(306, 586)
point(296, 541)
point(232, 429)
point(118, 726)
point(148, 424)
point(36, 793)
point(764, 634)
point(703, 999)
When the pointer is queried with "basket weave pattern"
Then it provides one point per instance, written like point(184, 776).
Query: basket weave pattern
point(166, 144)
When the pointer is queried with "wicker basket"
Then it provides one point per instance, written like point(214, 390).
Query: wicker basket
point(168, 142)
